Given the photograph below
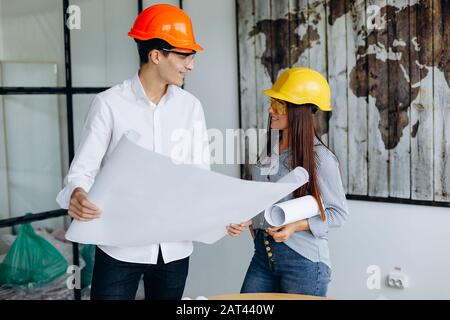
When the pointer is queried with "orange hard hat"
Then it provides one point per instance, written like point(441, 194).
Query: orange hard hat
point(165, 22)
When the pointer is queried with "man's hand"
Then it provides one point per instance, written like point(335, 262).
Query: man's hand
point(80, 208)
point(235, 230)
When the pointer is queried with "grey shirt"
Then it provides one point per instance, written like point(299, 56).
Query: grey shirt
point(312, 244)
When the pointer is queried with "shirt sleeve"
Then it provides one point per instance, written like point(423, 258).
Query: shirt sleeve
point(201, 156)
point(94, 142)
point(333, 197)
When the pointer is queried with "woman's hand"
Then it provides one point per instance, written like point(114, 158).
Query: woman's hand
point(283, 233)
point(235, 230)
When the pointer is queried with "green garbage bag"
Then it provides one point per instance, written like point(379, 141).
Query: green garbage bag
point(31, 261)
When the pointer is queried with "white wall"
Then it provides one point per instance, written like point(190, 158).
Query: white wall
point(102, 52)
point(33, 33)
point(1, 33)
point(414, 238)
point(218, 268)
point(4, 196)
point(214, 79)
point(147, 3)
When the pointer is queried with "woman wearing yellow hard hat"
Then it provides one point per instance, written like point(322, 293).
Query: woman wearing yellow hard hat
point(294, 258)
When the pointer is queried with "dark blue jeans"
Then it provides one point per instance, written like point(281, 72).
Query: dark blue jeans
point(277, 268)
point(118, 280)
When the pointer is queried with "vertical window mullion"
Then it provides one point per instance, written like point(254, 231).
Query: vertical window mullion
point(69, 107)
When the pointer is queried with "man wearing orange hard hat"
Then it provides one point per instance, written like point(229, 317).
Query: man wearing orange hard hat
point(153, 105)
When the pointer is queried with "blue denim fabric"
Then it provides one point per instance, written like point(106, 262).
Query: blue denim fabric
point(118, 280)
point(286, 271)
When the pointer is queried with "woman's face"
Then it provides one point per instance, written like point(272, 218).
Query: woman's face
point(278, 114)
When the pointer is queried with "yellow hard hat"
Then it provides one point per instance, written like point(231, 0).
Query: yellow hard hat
point(302, 85)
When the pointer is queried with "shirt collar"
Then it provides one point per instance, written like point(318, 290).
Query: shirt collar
point(139, 91)
point(316, 141)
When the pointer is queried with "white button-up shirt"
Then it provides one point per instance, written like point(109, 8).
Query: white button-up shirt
point(161, 128)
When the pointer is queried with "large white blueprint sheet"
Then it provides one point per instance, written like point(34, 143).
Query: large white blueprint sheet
point(146, 198)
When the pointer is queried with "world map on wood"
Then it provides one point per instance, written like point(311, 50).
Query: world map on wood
point(388, 64)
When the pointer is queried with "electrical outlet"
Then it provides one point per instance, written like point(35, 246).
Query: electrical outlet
point(397, 279)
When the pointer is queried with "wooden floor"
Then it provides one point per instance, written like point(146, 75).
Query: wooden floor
point(265, 296)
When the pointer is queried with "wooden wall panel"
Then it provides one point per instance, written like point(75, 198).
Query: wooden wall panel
point(388, 64)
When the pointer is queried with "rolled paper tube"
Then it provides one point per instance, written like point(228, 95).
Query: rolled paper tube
point(299, 174)
point(292, 210)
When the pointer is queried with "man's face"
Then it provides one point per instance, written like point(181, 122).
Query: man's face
point(176, 64)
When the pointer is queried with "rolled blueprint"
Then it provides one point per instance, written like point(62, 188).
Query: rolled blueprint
point(292, 210)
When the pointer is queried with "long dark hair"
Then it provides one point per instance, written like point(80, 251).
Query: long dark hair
point(301, 145)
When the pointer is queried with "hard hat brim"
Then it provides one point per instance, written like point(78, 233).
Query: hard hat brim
point(173, 42)
point(281, 96)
